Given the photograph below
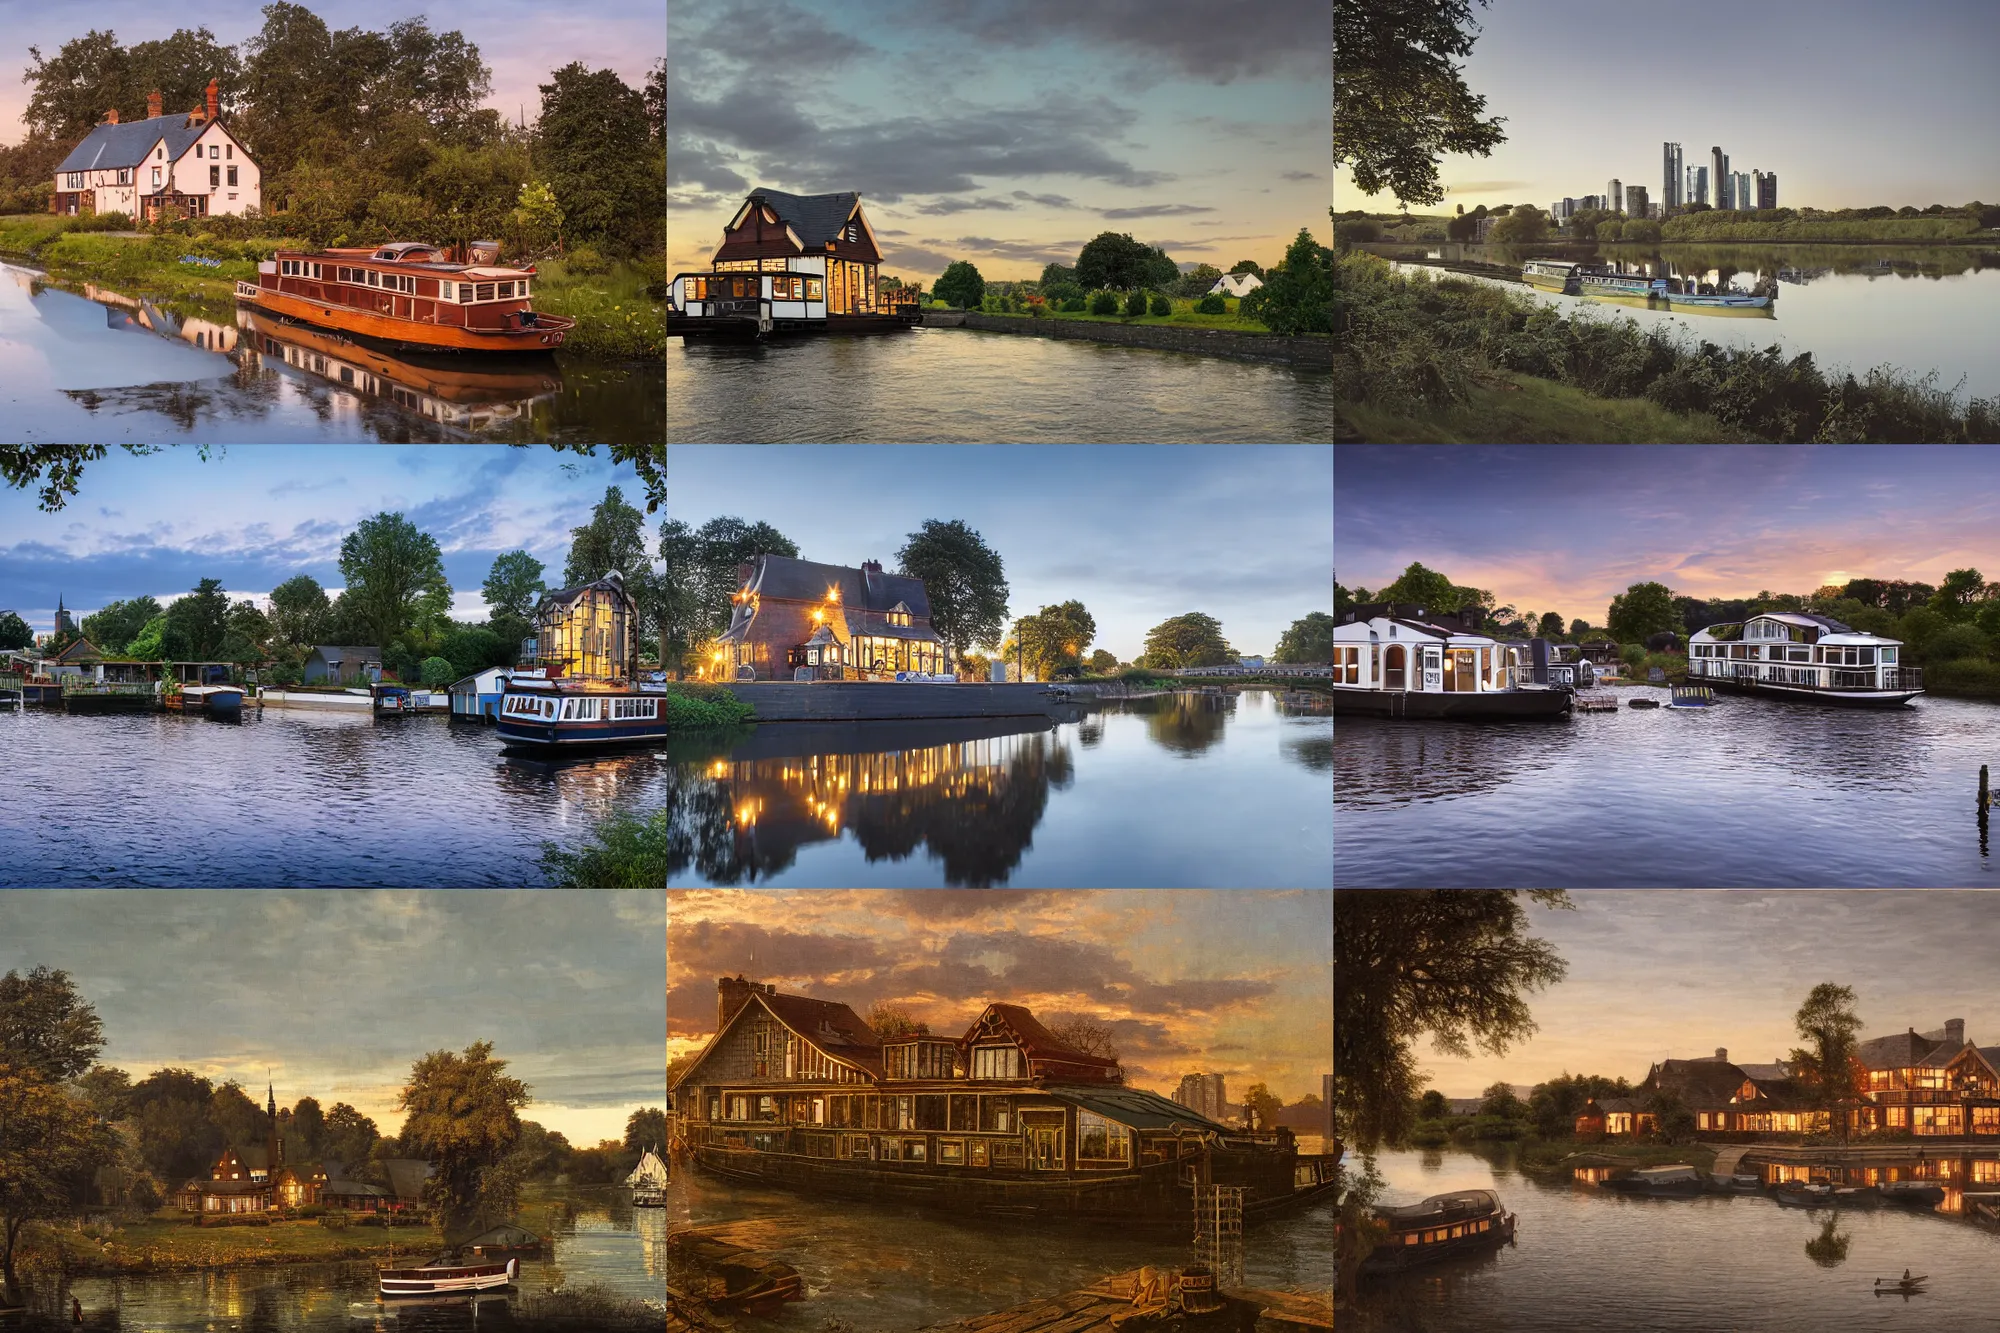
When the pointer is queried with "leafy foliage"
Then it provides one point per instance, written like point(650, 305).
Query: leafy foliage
point(961, 285)
point(1052, 641)
point(1114, 259)
point(623, 851)
point(395, 576)
point(1104, 303)
point(1297, 297)
point(1309, 639)
point(1399, 101)
point(1211, 305)
point(463, 1115)
point(1641, 610)
point(112, 628)
point(964, 579)
point(1189, 640)
point(595, 137)
point(300, 611)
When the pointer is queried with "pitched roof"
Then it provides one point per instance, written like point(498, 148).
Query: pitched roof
point(1135, 1107)
point(817, 218)
point(130, 142)
point(1036, 1040)
point(1706, 1082)
point(1626, 1104)
point(78, 651)
point(346, 652)
point(1766, 1073)
point(1898, 1050)
point(829, 1025)
point(407, 1175)
point(559, 596)
point(865, 591)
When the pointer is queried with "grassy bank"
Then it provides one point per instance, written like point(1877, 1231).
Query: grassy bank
point(1549, 1155)
point(693, 705)
point(617, 318)
point(1423, 356)
point(170, 1242)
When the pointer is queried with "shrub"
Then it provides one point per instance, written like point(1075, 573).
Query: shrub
point(1135, 304)
point(1347, 233)
point(1211, 305)
point(1632, 654)
point(1104, 303)
point(334, 1221)
point(622, 852)
point(1062, 291)
point(438, 671)
point(585, 262)
point(1162, 306)
point(1075, 305)
point(1956, 642)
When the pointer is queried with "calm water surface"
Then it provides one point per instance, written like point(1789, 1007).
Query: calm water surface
point(1919, 309)
point(606, 1244)
point(1172, 791)
point(886, 1269)
point(292, 799)
point(1587, 1259)
point(1751, 793)
point(961, 386)
point(107, 365)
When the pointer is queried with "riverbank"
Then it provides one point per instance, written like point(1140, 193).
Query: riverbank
point(1508, 407)
point(617, 318)
point(169, 1242)
point(1560, 1156)
point(1167, 333)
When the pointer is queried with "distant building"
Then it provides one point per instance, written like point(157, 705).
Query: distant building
point(1670, 182)
point(1697, 188)
point(187, 162)
point(64, 624)
point(1718, 163)
point(1746, 198)
point(339, 664)
point(1614, 194)
point(1767, 189)
point(1482, 229)
point(1569, 207)
point(1254, 663)
point(1204, 1094)
point(1637, 202)
point(1659, 211)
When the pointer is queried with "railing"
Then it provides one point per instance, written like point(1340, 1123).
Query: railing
point(140, 687)
point(1835, 678)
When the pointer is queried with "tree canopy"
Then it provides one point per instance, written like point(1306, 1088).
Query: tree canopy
point(596, 141)
point(1310, 639)
point(700, 577)
point(1053, 640)
point(463, 1113)
point(112, 628)
point(300, 611)
point(646, 1128)
point(1297, 296)
point(960, 285)
point(1433, 591)
point(197, 624)
point(395, 576)
point(1399, 101)
point(1115, 259)
point(1828, 1065)
point(47, 1028)
point(964, 579)
point(1190, 640)
point(1641, 610)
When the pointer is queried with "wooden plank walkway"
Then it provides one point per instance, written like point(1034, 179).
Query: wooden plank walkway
point(1118, 1303)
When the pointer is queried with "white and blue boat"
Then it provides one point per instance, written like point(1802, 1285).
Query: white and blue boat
point(583, 688)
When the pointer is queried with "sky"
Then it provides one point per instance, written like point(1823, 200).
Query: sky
point(521, 41)
point(1851, 103)
point(1006, 132)
point(1230, 981)
point(1666, 974)
point(1137, 533)
point(255, 515)
point(1566, 528)
point(334, 994)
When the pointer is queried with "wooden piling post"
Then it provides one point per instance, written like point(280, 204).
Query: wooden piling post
point(1984, 801)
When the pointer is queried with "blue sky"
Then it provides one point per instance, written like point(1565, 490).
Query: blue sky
point(521, 41)
point(1567, 527)
point(255, 515)
point(1851, 102)
point(1006, 132)
point(1136, 533)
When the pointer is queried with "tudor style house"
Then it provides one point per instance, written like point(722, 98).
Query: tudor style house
point(190, 162)
point(801, 620)
point(791, 262)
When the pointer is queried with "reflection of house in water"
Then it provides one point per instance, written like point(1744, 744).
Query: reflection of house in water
point(471, 393)
point(128, 312)
point(967, 792)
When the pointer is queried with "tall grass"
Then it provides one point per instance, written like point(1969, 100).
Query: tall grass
point(616, 315)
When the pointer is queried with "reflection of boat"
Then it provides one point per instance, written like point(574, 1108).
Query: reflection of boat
point(437, 1278)
point(1661, 1181)
point(648, 1182)
point(1912, 1193)
point(1438, 1228)
point(412, 295)
point(732, 1277)
point(458, 389)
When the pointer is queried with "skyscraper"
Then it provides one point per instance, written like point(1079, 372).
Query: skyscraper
point(1203, 1093)
point(1767, 189)
point(1697, 185)
point(1746, 199)
point(1670, 186)
point(1614, 195)
point(1718, 163)
point(1636, 205)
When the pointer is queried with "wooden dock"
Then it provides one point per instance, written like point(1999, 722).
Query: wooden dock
point(1596, 701)
point(1148, 1297)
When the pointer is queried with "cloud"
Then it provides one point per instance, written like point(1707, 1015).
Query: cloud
point(1303, 176)
point(915, 258)
point(771, 34)
point(948, 206)
point(303, 486)
point(1048, 200)
point(1043, 252)
point(1155, 211)
point(1264, 38)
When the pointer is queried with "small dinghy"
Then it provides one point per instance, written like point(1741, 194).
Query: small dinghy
point(441, 1276)
point(1913, 1193)
point(1692, 696)
point(1797, 1194)
point(1900, 1286)
point(1642, 703)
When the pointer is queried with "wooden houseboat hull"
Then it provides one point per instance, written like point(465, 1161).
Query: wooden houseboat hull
point(546, 335)
point(1466, 705)
point(443, 1279)
point(1802, 694)
point(1399, 1258)
point(745, 328)
point(566, 736)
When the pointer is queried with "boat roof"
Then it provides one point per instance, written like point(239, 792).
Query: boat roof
point(1665, 1174)
point(1832, 631)
point(358, 258)
point(1134, 1107)
point(1457, 1203)
point(1557, 263)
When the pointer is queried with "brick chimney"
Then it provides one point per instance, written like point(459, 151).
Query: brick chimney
point(153, 105)
point(214, 98)
point(1722, 1054)
point(732, 993)
point(111, 116)
point(1954, 1032)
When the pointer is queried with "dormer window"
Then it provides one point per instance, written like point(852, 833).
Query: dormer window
point(918, 1059)
point(900, 615)
point(997, 1062)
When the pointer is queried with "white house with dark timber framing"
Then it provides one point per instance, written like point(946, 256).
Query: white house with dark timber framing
point(143, 167)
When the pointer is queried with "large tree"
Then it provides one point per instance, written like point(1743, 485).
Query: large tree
point(1641, 610)
point(965, 581)
point(1828, 1064)
point(512, 587)
point(14, 631)
point(463, 1114)
point(47, 1029)
point(1399, 101)
point(960, 284)
point(1310, 639)
point(300, 611)
point(1115, 259)
point(197, 624)
point(594, 140)
point(51, 1145)
point(1432, 591)
point(1055, 638)
point(1956, 597)
point(646, 1128)
point(680, 592)
point(613, 539)
point(1297, 297)
point(395, 577)
point(1190, 640)
point(119, 623)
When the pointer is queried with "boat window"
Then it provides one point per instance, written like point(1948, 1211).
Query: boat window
point(506, 291)
point(1347, 664)
point(1412, 1238)
point(464, 291)
point(485, 291)
point(815, 289)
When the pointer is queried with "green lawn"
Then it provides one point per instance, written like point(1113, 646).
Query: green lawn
point(1183, 317)
point(168, 1240)
point(1510, 408)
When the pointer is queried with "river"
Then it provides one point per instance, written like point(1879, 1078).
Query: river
point(1750, 793)
point(1916, 308)
point(1181, 790)
point(291, 798)
point(604, 1243)
point(967, 386)
point(1586, 1259)
point(888, 1269)
point(98, 364)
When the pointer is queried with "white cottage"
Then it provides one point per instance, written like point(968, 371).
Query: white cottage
point(1403, 660)
point(1236, 284)
point(142, 167)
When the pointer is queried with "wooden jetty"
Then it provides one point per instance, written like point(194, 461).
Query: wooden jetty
point(1596, 701)
point(727, 1276)
point(1147, 1298)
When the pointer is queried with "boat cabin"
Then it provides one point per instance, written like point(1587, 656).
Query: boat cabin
point(1442, 1225)
point(408, 280)
point(1396, 647)
point(1805, 657)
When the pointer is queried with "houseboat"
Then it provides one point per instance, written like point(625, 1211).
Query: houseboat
point(791, 263)
point(1551, 275)
point(409, 294)
point(1812, 658)
point(1006, 1121)
point(1443, 1225)
point(443, 1277)
point(1397, 660)
point(1686, 296)
point(1604, 284)
point(583, 688)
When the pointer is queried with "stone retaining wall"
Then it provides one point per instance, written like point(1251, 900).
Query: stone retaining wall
point(1166, 337)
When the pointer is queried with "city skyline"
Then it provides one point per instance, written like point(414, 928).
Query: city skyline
point(1767, 96)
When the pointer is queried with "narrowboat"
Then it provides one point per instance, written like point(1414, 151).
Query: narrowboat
point(1626, 288)
point(409, 294)
point(1804, 657)
point(583, 689)
point(1719, 303)
point(1006, 1122)
point(1406, 661)
point(1444, 1225)
point(441, 1276)
point(1551, 275)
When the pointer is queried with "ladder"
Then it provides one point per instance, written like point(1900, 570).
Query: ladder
point(1218, 1232)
